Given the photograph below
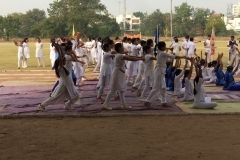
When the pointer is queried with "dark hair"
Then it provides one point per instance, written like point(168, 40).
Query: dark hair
point(202, 62)
point(143, 43)
point(155, 50)
point(209, 64)
point(133, 40)
point(178, 71)
point(117, 47)
point(110, 42)
point(138, 39)
point(187, 36)
point(191, 39)
point(161, 44)
point(129, 39)
point(186, 73)
point(149, 42)
point(124, 39)
point(168, 63)
point(229, 68)
point(68, 45)
point(214, 62)
point(105, 46)
point(99, 39)
point(176, 40)
point(209, 36)
point(38, 39)
point(231, 43)
point(25, 40)
point(117, 38)
point(89, 38)
point(56, 67)
point(196, 80)
point(145, 48)
point(52, 41)
point(232, 37)
point(173, 69)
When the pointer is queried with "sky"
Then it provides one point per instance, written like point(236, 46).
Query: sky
point(220, 6)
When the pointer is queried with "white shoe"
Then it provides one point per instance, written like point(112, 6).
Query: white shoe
point(68, 107)
point(106, 107)
point(157, 99)
point(142, 99)
point(126, 106)
point(41, 108)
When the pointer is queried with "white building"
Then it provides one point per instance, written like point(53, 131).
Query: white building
point(236, 9)
point(132, 21)
point(232, 24)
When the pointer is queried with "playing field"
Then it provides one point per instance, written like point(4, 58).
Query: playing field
point(8, 52)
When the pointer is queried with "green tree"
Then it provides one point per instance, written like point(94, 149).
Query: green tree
point(200, 16)
point(12, 25)
point(218, 24)
point(149, 24)
point(1, 26)
point(140, 14)
point(182, 20)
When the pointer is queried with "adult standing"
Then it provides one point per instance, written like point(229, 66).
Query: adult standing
point(191, 48)
point(233, 42)
point(26, 52)
point(52, 52)
point(208, 49)
point(39, 52)
point(184, 47)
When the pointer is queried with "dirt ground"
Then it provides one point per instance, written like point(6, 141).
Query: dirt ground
point(207, 137)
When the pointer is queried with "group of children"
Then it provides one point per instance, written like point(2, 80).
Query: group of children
point(136, 63)
point(24, 52)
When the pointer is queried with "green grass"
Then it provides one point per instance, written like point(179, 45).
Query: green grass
point(8, 53)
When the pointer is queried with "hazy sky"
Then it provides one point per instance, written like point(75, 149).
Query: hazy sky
point(220, 6)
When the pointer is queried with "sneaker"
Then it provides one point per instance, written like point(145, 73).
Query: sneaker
point(100, 99)
point(139, 92)
point(68, 107)
point(147, 105)
point(41, 108)
point(106, 107)
point(126, 106)
point(157, 99)
point(142, 99)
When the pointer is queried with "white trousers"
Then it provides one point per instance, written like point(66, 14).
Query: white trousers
point(140, 75)
point(208, 51)
point(159, 86)
point(19, 61)
point(148, 81)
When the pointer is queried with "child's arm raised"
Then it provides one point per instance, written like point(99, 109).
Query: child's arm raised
point(191, 69)
point(16, 44)
point(236, 68)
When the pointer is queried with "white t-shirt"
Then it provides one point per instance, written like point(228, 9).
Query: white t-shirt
point(208, 44)
point(176, 48)
point(233, 49)
point(135, 50)
point(191, 48)
point(178, 83)
point(200, 96)
point(185, 43)
point(204, 72)
point(162, 58)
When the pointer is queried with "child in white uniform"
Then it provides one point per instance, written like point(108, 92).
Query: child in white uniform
point(26, 51)
point(39, 52)
point(118, 81)
point(184, 47)
point(132, 65)
point(148, 72)
point(65, 88)
point(178, 89)
point(233, 53)
point(21, 56)
point(200, 101)
point(207, 45)
point(159, 84)
point(188, 95)
point(100, 54)
point(52, 52)
point(106, 70)
point(141, 67)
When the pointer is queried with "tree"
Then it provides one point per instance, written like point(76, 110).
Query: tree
point(12, 25)
point(140, 14)
point(200, 16)
point(182, 20)
point(149, 24)
point(218, 24)
point(83, 14)
point(1, 26)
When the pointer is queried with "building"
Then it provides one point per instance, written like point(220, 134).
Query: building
point(132, 22)
point(232, 24)
point(236, 10)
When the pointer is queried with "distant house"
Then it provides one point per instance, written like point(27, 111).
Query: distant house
point(132, 22)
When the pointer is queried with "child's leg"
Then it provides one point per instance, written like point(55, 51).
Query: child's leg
point(19, 62)
point(25, 62)
point(71, 101)
point(56, 84)
point(109, 96)
point(122, 97)
point(38, 59)
point(156, 88)
point(100, 91)
point(43, 62)
point(163, 95)
point(134, 77)
point(146, 88)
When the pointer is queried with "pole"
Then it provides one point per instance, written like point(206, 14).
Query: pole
point(171, 20)
point(119, 7)
point(125, 14)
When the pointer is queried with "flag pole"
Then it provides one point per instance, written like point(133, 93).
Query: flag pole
point(171, 20)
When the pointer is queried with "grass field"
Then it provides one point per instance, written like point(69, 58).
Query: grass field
point(8, 52)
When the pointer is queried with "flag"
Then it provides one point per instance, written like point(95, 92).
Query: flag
point(156, 39)
point(212, 41)
point(73, 31)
